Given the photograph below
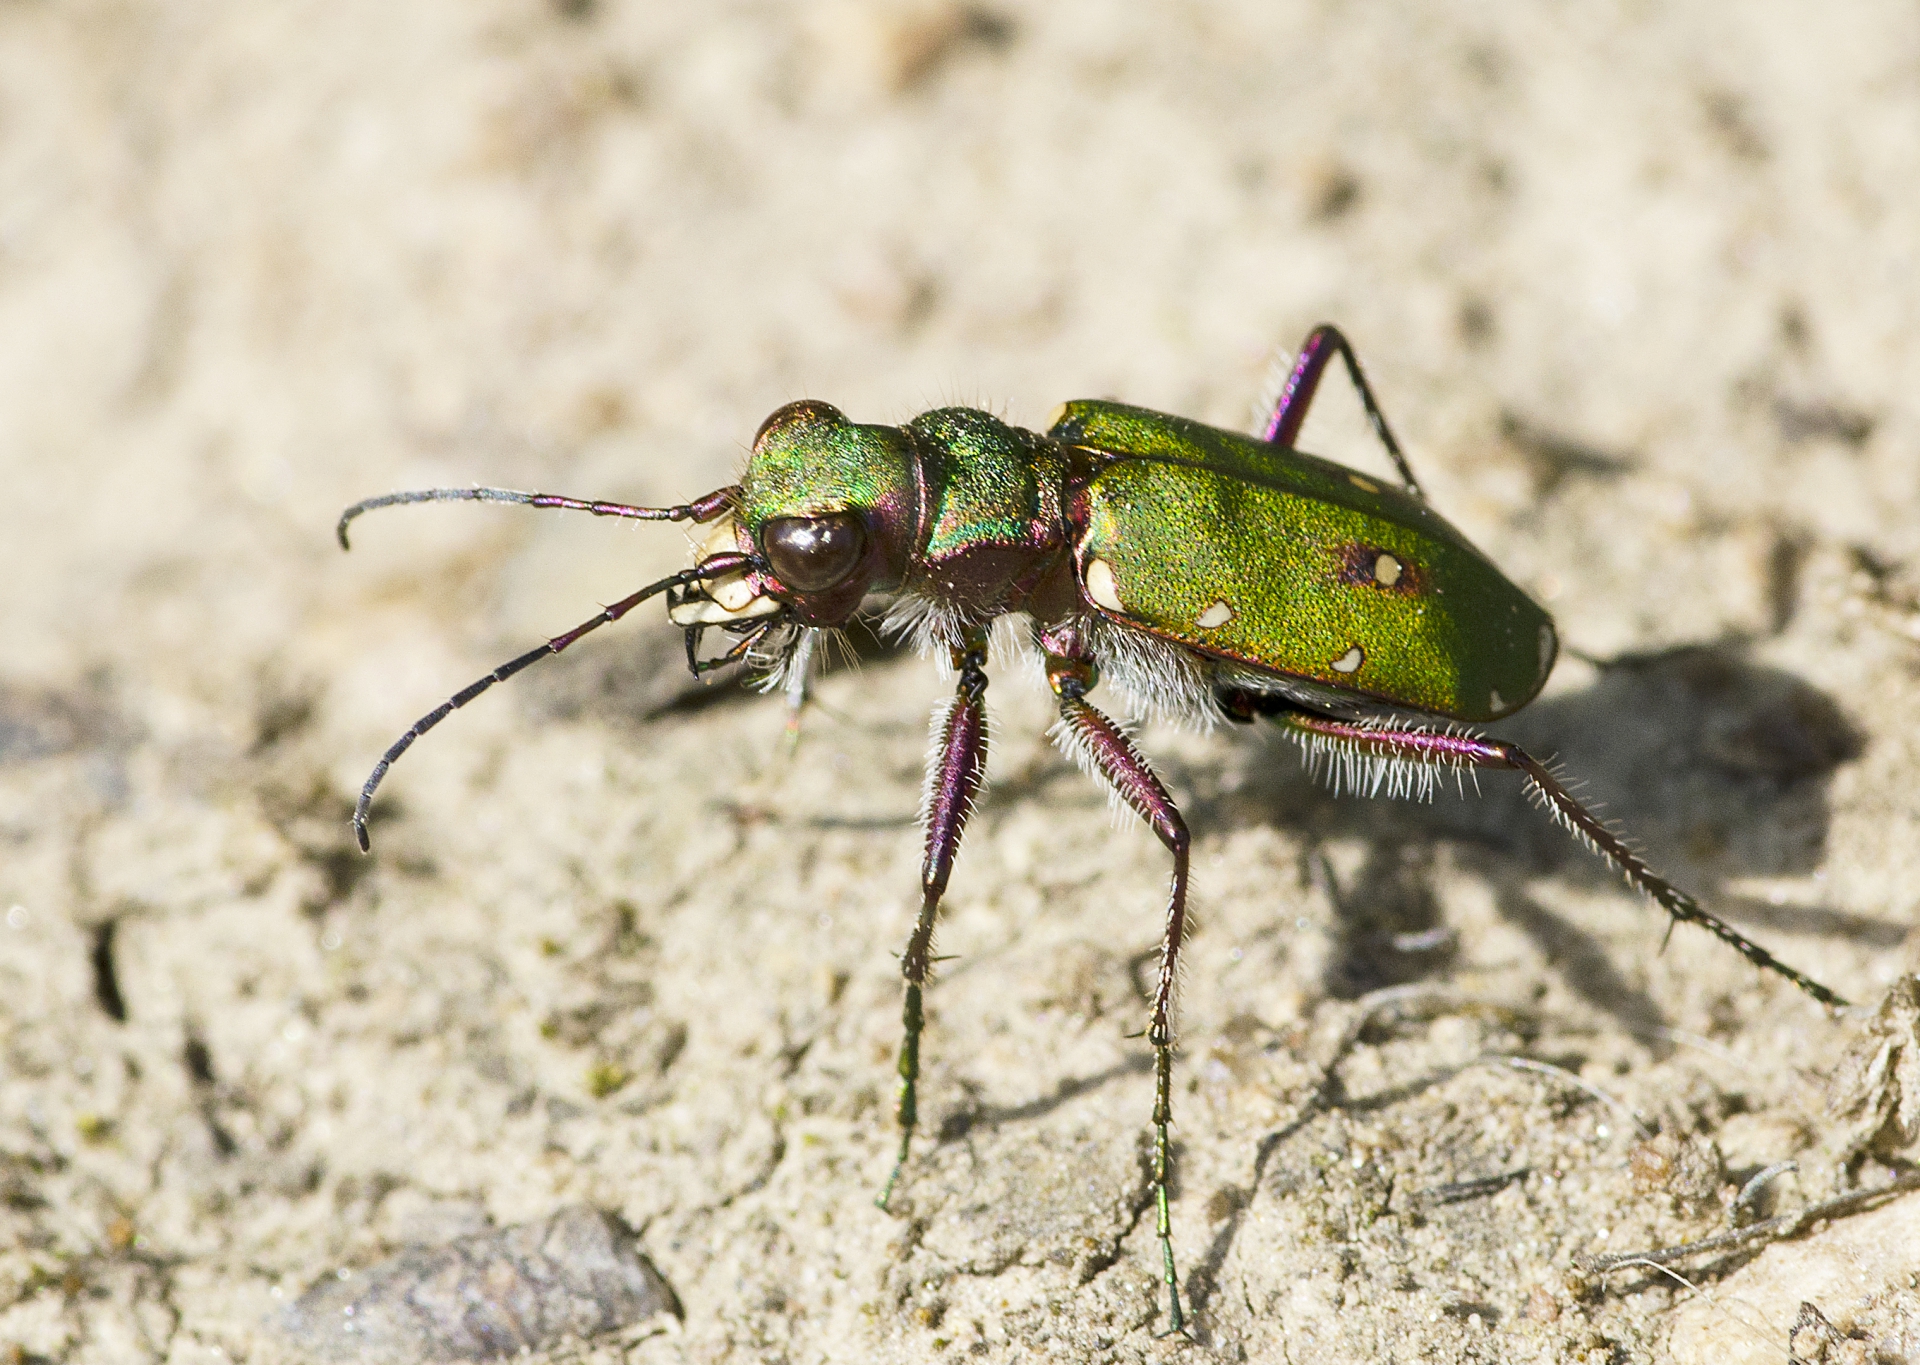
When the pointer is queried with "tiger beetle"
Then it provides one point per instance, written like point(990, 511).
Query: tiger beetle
point(1208, 574)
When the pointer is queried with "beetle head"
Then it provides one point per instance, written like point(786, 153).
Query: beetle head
point(827, 512)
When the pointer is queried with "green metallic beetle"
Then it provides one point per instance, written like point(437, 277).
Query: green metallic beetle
point(1207, 574)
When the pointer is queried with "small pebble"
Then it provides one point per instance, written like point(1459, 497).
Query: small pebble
point(493, 1294)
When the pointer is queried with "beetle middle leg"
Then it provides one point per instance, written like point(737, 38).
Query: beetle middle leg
point(1290, 410)
point(1440, 748)
point(954, 770)
point(1100, 746)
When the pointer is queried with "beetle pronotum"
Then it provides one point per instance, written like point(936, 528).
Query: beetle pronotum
point(1207, 574)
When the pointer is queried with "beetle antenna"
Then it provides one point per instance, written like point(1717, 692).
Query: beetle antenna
point(700, 509)
point(719, 564)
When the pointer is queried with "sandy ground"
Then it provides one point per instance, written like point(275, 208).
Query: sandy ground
point(1638, 285)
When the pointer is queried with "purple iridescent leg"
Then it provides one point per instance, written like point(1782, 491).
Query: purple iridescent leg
point(1441, 749)
point(954, 770)
point(1100, 746)
point(1290, 411)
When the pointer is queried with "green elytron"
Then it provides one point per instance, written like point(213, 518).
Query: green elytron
point(1206, 575)
point(1282, 561)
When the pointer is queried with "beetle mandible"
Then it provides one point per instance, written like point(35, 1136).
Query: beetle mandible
point(1206, 573)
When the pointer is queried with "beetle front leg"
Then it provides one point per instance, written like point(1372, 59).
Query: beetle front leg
point(954, 769)
point(1442, 749)
point(1290, 410)
point(1100, 746)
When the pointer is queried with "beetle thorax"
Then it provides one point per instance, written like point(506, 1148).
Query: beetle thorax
point(993, 537)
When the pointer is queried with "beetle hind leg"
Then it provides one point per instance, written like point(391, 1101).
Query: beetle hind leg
point(1443, 748)
point(1296, 396)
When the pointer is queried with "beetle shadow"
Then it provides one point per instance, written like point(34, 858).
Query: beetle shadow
point(1714, 767)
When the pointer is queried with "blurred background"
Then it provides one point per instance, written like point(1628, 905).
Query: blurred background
point(1636, 285)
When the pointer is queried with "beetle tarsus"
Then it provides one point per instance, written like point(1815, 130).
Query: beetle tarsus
point(1162, 1164)
point(1585, 826)
point(1443, 748)
point(906, 1111)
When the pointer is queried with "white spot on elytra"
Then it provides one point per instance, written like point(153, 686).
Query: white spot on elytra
point(1103, 587)
point(1214, 616)
point(1056, 417)
point(1350, 661)
point(1495, 701)
point(1387, 570)
point(1364, 485)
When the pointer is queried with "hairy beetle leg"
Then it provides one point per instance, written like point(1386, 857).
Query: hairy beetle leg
point(1100, 746)
point(1290, 410)
point(1440, 748)
point(954, 769)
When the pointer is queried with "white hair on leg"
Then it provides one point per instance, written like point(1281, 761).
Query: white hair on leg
point(1159, 680)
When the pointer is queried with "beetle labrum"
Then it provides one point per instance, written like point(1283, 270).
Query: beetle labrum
point(1210, 575)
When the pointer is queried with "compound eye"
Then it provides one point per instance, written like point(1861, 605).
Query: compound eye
point(812, 554)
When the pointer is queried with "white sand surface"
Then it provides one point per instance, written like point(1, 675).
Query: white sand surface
point(1638, 285)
